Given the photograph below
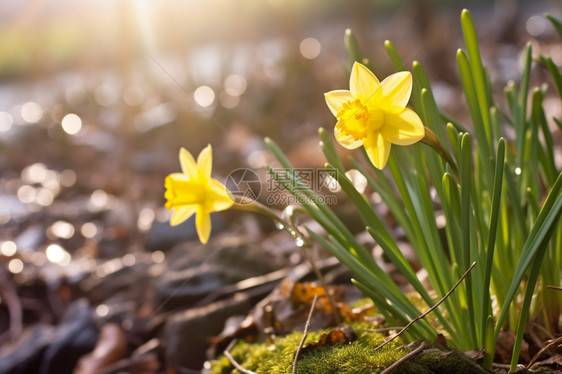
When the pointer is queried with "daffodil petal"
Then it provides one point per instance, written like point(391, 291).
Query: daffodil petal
point(336, 99)
point(397, 88)
point(346, 140)
point(377, 149)
point(220, 199)
point(205, 161)
point(175, 177)
point(181, 214)
point(203, 224)
point(187, 163)
point(402, 126)
point(362, 82)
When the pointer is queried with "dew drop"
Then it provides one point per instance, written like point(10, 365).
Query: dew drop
point(299, 241)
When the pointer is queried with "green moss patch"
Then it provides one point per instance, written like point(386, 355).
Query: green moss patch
point(357, 357)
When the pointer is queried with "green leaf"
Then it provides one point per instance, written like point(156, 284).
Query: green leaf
point(472, 99)
point(537, 242)
point(494, 217)
point(354, 50)
point(555, 72)
point(466, 212)
point(477, 69)
point(394, 56)
point(329, 150)
point(524, 87)
point(547, 152)
point(529, 294)
point(555, 22)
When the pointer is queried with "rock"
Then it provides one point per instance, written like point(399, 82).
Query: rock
point(24, 355)
point(75, 336)
point(196, 270)
point(181, 288)
point(187, 333)
point(162, 236)
point(45, 349)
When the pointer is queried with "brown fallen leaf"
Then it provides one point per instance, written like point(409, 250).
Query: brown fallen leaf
point(555, 361)
point(286, 308)
point(343, 335)
point(504, 348)
point(236, 327)
point(111, 347)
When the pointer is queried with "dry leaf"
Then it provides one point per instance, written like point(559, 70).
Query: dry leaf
point(344, 335)
point(111, 347)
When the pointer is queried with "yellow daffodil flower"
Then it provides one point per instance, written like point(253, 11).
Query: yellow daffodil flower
point(194, 191)
point(374, 113)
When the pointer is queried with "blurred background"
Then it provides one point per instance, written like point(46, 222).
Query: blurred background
point(97, 97)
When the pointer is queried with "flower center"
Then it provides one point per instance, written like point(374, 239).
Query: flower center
point(356, 119)
point(181, 192)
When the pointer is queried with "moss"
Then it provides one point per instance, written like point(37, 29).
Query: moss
point(357, 357)
point(277, 357)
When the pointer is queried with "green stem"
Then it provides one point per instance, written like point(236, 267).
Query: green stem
point(431, 140)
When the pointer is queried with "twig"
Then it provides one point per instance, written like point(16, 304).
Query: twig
point(233, 361)
point(306, 326)
point(501, 366)
point(383, 329)
point(554, 288)
point(10, 295)
point(546, 348)
point(404, 359)
point(430, 309)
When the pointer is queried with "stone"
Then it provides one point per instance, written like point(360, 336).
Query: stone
point(187, 333)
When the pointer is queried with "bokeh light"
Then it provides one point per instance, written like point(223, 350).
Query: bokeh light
point(71, 124)
point(15, 266)
point(8, 248)
point(26, 194)
point(204, 96)
point(536, 25)
point(102, 310)
point(34, 173)
point(6, 121)
point(310, 48)
point(44, 197)
point(89, 230)
point(129, 259)
point(158, 257)
point(58, 255)
point(67, 178)
point(61, 229)
point(235, 85)
point(146, 218)
point(133, 95)
point(358, 179)
point(31, 112)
